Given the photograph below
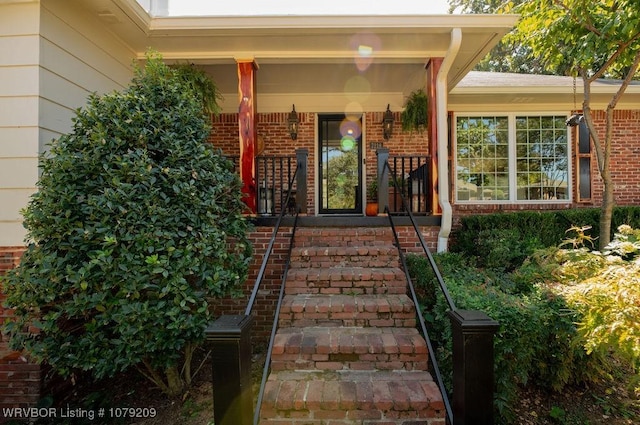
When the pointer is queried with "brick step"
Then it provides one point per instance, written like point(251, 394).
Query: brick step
point(346, 280)
point(354, 256)
point(343, 236)
point(352, 397)
point(347, 310)
point(340, 348)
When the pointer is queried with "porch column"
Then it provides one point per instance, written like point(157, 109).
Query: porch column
point(248, 131)
point(433, 66)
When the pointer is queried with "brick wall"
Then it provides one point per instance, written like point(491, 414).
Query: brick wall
point(272, 128)
point(20, 381)
point(625, 157)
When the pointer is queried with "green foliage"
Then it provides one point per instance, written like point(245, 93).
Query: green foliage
point(372, 190)
point(201, 86)
point(524, 231)
point(341, 189)
point(626, 243)
point(508, 55)
point(537, 338)
point(564, 314)
point(600, 38)
point(581, 238)
point(136, 222)
point(414, 114)
point(595, 41)
point(607, 295)
point(558, 415)
point(504, 249)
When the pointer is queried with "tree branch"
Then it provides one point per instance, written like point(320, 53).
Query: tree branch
point(591, 28)
point(153, 376)
point(613, 58)
point(625, 83)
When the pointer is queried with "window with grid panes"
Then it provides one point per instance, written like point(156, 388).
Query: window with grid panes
point(512, 158)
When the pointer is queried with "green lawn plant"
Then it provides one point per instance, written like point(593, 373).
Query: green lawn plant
point(605, 289)
point(568, 315)
point(136, 222)
point(533, 343)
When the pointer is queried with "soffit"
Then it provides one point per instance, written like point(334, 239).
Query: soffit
point(283, 41)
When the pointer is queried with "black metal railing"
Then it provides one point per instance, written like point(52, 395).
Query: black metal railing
point(414, 297)
point(230, 339)
point(276, 188)
point(404, 183)
point(274, 327)
point(409, 179)
point(472, 333)
point(274, 182)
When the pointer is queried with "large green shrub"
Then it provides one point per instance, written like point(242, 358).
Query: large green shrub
point(536, 339)
point(137, 220)
point(503, 240)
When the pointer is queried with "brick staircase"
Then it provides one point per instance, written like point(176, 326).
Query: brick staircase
point(347, 350)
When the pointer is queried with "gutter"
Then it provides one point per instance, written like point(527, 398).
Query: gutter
point(443, 139)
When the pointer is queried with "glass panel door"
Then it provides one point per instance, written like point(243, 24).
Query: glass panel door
point(340, 164)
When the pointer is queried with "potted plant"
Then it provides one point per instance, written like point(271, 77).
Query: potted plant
point(372, 198)
point(414, 115)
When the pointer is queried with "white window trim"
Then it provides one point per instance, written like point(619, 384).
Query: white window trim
point(513, 189)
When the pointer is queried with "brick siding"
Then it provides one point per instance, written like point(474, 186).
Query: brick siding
point(20, 380)
point(625, 157)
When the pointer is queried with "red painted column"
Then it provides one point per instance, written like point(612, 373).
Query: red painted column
point(248, 132)
point(433, 66)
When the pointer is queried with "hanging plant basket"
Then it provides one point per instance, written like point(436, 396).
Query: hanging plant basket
point(414, 115)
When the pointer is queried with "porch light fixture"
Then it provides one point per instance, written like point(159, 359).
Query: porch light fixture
point(293, 123)
point(387, 124)
point(574, 120)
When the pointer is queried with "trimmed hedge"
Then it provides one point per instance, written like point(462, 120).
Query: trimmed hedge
point(536, 339)
point(503, 240)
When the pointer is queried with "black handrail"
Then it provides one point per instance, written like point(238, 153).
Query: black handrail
point(256, 287)
point(267, 254)
point(409, 173)
point(274, 327)
point(432, 262)
point(434, 361)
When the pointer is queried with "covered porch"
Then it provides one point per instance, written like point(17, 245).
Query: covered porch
point(339, 76)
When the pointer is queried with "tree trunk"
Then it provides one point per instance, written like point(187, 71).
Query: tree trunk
point(175, 384)
point(608, 200)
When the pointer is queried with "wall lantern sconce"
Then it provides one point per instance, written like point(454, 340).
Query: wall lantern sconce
point(387, 124)
point(293, 123)
point(574, 120)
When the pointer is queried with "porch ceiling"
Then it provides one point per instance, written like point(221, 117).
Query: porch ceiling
point(392, 50)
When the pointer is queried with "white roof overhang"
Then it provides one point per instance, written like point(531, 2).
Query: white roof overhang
point(493, 91)
point(392, 50)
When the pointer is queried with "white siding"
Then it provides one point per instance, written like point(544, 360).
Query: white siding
point(18, 142)
point(19, 53)
point(52, 55)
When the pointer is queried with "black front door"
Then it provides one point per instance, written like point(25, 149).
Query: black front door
point(340, 164)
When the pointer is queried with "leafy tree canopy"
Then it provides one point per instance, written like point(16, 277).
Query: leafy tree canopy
point(601, 38)
point(507, 55)
point(592, 39)
point(137, 220)
point(517, 54)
